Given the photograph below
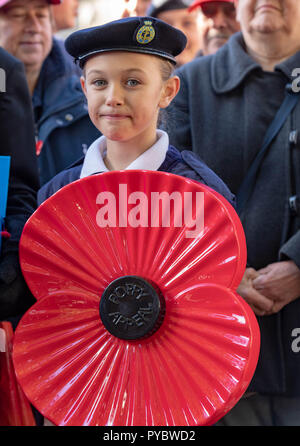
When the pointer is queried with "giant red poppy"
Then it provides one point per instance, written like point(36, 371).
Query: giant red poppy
point(137, 320)
point(15, 409)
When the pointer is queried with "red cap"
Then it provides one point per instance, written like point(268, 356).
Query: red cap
point(52, 2)
point(198, 3)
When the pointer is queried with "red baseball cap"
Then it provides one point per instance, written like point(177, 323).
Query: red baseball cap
point(52, 2)
point(197, 3)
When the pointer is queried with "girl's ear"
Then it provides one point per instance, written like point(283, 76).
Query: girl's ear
point(170, 90)
point(83, 86)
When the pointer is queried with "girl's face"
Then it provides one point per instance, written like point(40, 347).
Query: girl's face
point(125, 92)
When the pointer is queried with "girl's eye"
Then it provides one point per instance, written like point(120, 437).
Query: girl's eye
point(99, 83)
point(132, 82)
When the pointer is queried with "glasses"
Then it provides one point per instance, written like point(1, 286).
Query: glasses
point(211, 9)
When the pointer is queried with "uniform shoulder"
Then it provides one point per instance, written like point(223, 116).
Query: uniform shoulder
point(60, 180)
point(8, 61)
point(210, 178)
point(190, 165)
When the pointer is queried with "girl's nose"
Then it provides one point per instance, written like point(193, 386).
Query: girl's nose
point(114, 96)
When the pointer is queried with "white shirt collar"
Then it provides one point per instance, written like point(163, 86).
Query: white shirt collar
point(151, 159)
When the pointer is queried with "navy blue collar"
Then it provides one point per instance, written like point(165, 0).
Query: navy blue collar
point(231, 64)
point(172, 156)
point(56, 65)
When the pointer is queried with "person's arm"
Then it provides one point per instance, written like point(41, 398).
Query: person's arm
point(291, 249)
point(279, 282)
point(18, 142)
point(260, 304)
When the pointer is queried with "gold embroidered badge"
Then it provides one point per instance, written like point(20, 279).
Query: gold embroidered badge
point(146, 33)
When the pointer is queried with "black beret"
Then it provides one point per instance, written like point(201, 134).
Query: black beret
point(167, 5)
point(135, 34)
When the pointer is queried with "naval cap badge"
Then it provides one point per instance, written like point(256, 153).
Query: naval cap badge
point(145, 33)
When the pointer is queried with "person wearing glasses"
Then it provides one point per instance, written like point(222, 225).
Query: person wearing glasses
point(232, 105)
point(219, 23)
point(176, 13)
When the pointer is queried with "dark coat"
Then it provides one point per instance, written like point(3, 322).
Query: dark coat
point(185, 164)
point(61, 115)
point(222, 112)
point(17, 141)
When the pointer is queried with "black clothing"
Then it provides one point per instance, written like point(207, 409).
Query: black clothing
point(18, 142)
point(222, 112)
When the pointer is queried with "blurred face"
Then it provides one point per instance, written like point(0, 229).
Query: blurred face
point(26, 31)
point(141, 7)
point(188, 24)
point(124, 93)
point(269, 16)
point(219, 24)
point(65, 14)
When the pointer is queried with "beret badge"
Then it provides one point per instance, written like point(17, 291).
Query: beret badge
point(146, 33)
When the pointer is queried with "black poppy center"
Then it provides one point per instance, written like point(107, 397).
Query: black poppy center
point(132, 308)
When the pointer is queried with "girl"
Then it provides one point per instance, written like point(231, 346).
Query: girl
point(127, 79)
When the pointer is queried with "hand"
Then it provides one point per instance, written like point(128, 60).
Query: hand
point(260, 304)
point(279, 282)
point(15, 297)
point(128, 10)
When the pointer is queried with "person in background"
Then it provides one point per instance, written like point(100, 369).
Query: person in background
point(128, 78)
point(219, 23)
point(135, 8)
point(17, 142)
point(62, 124)
point(65, 14)
point(175, 13)
point(142, 7)
point(64, 18)
point(128, 67)
point(226, 104)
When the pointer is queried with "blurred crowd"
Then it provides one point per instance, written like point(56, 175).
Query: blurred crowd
point(206, 25)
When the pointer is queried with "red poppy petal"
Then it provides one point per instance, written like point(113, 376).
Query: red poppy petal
point(15, 409)
point(198, 362)
point(191, 371)
point(63, 247)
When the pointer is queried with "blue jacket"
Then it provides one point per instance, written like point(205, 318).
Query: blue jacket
point(225, 104)
point(61, 116)
point(184, 163)
point(17, 141)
